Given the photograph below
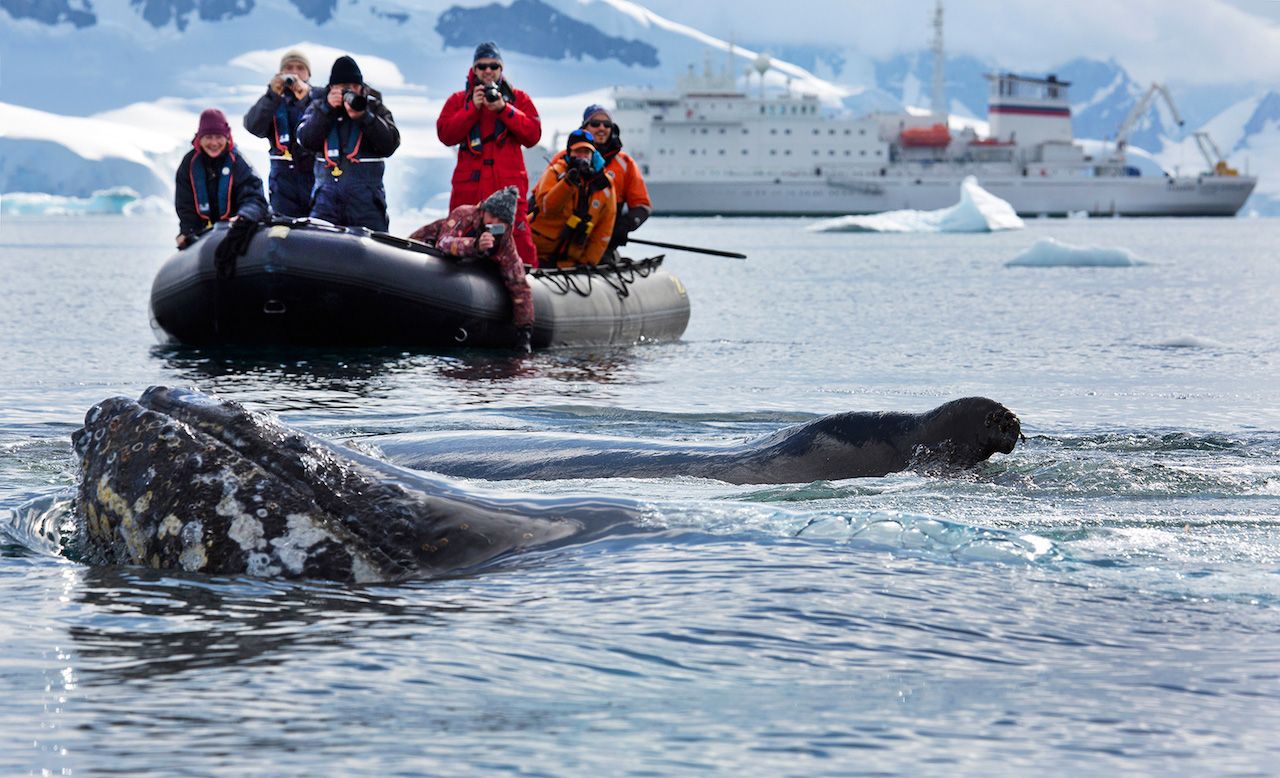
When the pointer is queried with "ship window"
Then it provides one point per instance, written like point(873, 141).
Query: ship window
point(762, 109)
point(744, 152)
point(722, 131)
point(863, 153)
point(831, 153)
point(815, 152)
point(787, 131)
point(745, 131)
point(793, 109)
point(831, 132)
point(773, 131)
point(862, 132)
point(722, 152)
point(773, 152)
point(662, 130)
point(877, 152)
point(704, 130)
point(846, 152)
point(693, 130)
point(787, 152)
point(846, 132)
point(693, 151)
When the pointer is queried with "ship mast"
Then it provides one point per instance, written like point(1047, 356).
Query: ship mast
point(939, 72)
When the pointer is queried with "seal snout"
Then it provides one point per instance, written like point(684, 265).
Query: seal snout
point(1006, 427)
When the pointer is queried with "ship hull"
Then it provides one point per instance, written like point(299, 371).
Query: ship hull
point(1030, 195)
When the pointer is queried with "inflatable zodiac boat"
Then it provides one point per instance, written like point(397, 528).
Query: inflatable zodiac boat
point(314, 284)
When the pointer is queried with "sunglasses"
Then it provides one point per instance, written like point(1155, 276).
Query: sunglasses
point(488, 66)
point(598, 123)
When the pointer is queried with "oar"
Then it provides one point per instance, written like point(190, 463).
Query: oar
point(694, 249)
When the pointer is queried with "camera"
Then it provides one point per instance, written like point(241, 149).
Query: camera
point(496, 230)
point(355, 100)
point(290, 80)
point(491, 93)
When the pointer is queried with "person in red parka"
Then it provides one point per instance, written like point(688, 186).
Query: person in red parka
point(489, 122)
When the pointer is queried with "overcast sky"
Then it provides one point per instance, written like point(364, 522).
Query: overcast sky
point(1196, 41)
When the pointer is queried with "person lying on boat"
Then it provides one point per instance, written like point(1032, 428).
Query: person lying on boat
point(489, 121)
point(485, 230)
point(351, 130)
point(275, 117)
point(575, 206)
point(213, 182)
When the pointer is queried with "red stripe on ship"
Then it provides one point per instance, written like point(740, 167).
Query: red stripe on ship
point(1029, 110)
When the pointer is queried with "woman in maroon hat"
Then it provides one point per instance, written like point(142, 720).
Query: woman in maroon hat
point(214, 183)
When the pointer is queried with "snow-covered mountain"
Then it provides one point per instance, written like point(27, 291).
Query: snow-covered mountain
point(107, 93)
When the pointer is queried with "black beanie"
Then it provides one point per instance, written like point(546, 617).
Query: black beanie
point(345, 71)
point(487, 50)
point(502, 203)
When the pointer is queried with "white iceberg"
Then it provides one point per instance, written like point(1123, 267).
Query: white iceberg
point(1048, 252)
point(118, 200)
point(977, 211)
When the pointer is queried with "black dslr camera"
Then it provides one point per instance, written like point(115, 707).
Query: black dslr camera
point(355, 100)
point(290, 80)
point(492, 93)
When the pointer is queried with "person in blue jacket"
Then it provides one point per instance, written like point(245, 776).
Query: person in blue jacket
point(275, 117)
point(214, 183)
point(352, 133)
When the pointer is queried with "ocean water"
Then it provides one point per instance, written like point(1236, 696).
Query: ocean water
point(1105, 599)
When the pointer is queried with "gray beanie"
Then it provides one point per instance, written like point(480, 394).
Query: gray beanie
point(502, 203)
point(487, 50)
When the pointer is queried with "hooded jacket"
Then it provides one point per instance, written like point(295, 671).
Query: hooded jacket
point(489, 142)
point(242, 196)
point(574, 222)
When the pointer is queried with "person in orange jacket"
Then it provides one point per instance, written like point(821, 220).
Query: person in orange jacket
point(489, 121)
point(575, 206)
point(634, 206)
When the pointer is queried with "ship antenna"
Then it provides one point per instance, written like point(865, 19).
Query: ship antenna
point(939, 65)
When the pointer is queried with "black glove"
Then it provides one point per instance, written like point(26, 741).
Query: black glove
point(573, 175)
point(234, 244)
point(524, 339)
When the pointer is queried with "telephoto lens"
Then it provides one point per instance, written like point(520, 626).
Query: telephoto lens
point(358, 102)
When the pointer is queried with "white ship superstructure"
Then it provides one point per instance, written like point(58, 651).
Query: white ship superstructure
point(712, 148)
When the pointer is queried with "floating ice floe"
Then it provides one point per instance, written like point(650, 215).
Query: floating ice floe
point(977, 211)
point(1048, 252)
point(117, 201)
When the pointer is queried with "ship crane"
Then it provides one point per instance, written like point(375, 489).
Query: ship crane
point(1212, 156)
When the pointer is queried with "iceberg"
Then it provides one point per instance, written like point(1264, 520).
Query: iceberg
point(977, 211)
point(116, 201)
point(1047, 252)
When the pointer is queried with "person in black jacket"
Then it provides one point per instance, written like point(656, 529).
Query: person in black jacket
point(213, 182)
point(275, 117)
point(352, 133)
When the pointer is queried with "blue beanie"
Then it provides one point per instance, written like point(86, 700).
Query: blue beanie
point(487, 50)
point(595, 108)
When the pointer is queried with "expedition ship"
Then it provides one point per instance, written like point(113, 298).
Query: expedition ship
point(710, 148)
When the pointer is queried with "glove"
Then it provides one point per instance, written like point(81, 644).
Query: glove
point(524, 339)
point(573, 176)
point(234, 244)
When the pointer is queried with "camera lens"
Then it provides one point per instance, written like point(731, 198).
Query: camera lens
point(358, 102)
point(290, 80)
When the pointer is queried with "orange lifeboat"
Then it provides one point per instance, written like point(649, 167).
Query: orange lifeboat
point(933, 135)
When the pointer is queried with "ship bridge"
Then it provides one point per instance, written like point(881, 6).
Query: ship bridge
point(1028, 111)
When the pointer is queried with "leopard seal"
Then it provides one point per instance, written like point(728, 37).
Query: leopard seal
point(956, 435)
point(180, 480)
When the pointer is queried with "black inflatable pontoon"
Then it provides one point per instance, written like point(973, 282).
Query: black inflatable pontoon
point(307, 283)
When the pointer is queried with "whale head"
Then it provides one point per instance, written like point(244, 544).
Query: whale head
point(180, 480)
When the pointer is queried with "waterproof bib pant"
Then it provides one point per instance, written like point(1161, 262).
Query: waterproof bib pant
point(291, 183)
point(354, 199)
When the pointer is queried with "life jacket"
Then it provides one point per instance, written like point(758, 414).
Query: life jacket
point(335, 150)
point(212, 209)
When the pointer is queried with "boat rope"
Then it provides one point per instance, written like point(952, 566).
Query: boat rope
point(617, 275)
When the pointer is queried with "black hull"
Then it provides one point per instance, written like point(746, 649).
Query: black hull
point(305, 284)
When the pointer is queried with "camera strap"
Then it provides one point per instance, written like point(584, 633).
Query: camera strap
point(280, 140)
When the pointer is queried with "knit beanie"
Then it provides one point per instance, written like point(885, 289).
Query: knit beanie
point(212, 122)
point(502, 203)
point(593, 109)
point(487, 50)
point(293, 55)
point(345, 71)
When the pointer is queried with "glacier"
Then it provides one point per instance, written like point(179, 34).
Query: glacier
point(977, 211)
point(116, 201)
